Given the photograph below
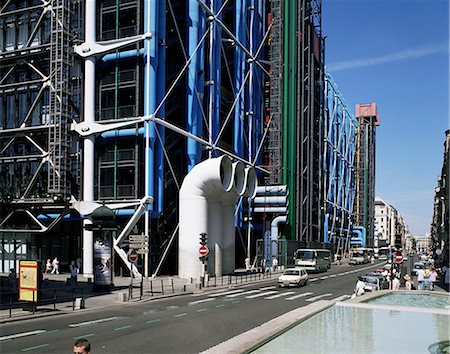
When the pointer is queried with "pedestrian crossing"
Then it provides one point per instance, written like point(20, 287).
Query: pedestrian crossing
point(266, 293)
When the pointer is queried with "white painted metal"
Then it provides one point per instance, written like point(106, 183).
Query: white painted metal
point(88, 144)
point(274, 233)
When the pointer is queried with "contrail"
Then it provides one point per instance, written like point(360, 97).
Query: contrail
point(406, 54)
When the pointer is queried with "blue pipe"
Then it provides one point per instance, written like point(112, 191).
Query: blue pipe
point(122, 133)
point(161, 88)
point(326, 237)
point(361, 238)
point(217, 78)
point(150, 72)
point(123, 55)
point(239, 73)
point(195, 82)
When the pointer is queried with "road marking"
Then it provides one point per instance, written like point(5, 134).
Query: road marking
point(155, 320)
point(93, 322)
point(227, 292)
point(236, 302)
point(124, 327)
point(267, 288)
point(84, 335)
point(149, 312)
point(262, 294)
point(35, 347)
point(200, 301)
point(201, 310)
point(24, 334)
point(180, 314)
point(245, 293)
point(315, 279)
point(280, 295)
point(221, 305)
point(171, 307)
point(298, 296)
point(318, 297)
point(343, 297)
point(322, 278)
point(332, 276)
point(49, 332)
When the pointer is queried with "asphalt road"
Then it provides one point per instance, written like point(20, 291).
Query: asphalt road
point(185, 324)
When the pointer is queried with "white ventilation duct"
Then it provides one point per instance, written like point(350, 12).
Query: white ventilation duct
point(274, 234)
point(227, 262)
point(206, 183)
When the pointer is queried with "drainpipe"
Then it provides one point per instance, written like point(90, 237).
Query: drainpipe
point(205, 183)
point(274, 234)
point(88, 144)
point(326, 238)
point(123, 55)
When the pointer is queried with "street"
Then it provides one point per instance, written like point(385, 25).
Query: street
point(185, 324)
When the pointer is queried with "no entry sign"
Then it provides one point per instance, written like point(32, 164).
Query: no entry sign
point(398, 257)
point(132, 256)
point(203, 250)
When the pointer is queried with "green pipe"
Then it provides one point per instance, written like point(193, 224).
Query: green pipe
point(285, 96)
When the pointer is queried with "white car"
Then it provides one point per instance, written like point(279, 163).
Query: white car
point(293, 277)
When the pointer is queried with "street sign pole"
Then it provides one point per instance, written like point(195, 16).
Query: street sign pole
point(130, 289)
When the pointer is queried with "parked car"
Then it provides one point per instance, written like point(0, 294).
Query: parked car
point(416, 266)
point(293, 277)
point(384, 284)
point(371, 283)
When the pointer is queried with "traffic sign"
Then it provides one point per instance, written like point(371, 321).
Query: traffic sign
point(203, 250)
point(132, 256)
point(398, 257)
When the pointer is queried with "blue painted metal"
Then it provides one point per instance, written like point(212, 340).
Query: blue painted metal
point(150, 73)
point(360, 239)
point(338, 162)
point(195, 82)
point(216, 71)
point(161, 88)
point(239, 74)
point(123, 133)
point(123, 55)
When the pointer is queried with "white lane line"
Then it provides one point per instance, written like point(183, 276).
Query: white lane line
point(35, 347)
point(93, 322)
point(200, 301)
point(268, 288)
point(332, 276)
point(315, 279)
point(24, 334)
point(342, 298)
point(260, 295)
point(318, 297)
point(322, 278)
point(279, 295)
point(124, 327)
point(154, 321)
point(180, 314)
point(227, 292)
point(298, 296)
point(201, 310)
point(245, 293)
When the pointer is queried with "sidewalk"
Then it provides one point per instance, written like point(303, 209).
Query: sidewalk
point(58, 296)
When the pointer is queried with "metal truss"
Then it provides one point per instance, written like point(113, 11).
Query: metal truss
point(339, 167)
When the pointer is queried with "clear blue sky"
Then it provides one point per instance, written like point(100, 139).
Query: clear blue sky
point(396, 53)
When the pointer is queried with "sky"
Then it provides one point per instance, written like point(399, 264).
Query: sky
point(396, 53)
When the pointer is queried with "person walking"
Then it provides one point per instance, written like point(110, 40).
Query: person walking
point(432, 277)
point(408, 283)
point(395, 284)
point(82, 346)
point(420, 278)
point(73, 273)
point(275, 264)
point(55, 264)
point(48, 266)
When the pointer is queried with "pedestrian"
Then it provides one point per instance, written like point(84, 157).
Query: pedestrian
point(12, 279)
point(82, 346)
point(395, 283)
point(432, 277)
point(420, 278)
point(408, 283)
point(359, 287)
point(73, 273)
point(48, 266)
point(78, 262)
point(55, 265)
point(275, 264)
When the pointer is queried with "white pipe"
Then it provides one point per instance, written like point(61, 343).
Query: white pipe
point(274, 234)
point(275, 199)
point(207, 181)
point(88, 144)
point(272, 190)
point(215, 224)
point(228, 218)
point(270, 209)
point(251, 183)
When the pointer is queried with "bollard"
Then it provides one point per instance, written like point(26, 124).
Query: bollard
point(184, 288)
point(173, 289)
point(222, 281)
point(54, 299)
point(10, 306)
point(141, 292)
point(215, 280)
point(151, 287)
point(162, 287)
